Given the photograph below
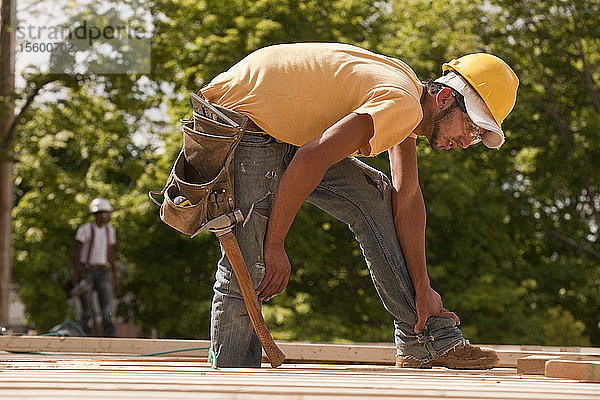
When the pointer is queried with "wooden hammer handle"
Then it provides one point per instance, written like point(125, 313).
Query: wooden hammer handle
point(234, 254)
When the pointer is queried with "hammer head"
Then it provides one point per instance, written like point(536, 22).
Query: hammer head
point(221, 223)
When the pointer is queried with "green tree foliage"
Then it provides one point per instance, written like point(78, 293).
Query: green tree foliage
point(555, 142)
point(73, 150)
point(512, 234)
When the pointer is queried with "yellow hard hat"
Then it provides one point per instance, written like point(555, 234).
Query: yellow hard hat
point(492, 79)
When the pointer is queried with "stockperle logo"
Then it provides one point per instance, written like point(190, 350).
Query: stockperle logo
point(115, 41)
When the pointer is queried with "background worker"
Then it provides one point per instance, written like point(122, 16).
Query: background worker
point(318, 104)
point(94, 263)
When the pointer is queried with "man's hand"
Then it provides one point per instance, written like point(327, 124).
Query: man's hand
point(303, 174)
point(116, 278)
point(74, 277)
point(277, 272)
point(77, 275)
point(429, 304)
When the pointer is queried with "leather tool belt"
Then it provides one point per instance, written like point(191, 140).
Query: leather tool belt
point(200, 186)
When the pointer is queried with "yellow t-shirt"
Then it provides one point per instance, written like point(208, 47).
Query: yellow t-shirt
point(294, 92)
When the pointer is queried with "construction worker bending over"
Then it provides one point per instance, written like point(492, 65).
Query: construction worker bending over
point(315, 106)
point(93, 264)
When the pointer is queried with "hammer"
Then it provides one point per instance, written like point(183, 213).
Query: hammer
point(222, 228)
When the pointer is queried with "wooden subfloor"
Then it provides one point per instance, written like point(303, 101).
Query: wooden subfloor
point(94, 376)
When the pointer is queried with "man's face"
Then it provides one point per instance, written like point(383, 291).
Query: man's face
point(103, 217)
point(452, 128)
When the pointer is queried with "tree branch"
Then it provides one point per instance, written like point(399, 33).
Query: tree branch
point(565, 133)
point(573, 243)
point(563, 128)
point(589, 80)
point(591, 195)
point(8, 136)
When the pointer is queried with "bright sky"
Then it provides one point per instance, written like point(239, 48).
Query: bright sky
point(43, 27)
point(42, 23)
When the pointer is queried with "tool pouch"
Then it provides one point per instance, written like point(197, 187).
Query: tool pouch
point(200, 186)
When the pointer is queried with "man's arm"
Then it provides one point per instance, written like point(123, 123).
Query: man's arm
point(410, 221)
point(111, 255)
point(302, 176)
point(114, 273)
point(76, 273)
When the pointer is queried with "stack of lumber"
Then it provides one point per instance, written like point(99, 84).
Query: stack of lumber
point(111, 368)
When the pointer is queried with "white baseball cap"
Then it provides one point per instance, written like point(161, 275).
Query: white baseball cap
point(476, 108)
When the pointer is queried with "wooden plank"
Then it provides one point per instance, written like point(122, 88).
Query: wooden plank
point(587, 371)
point(533, 365)
point(24, 344)
point(509, 358)
point(89, 379)
point(536, 364)
point(382, 353)
point(296, 352)
point(544, 349)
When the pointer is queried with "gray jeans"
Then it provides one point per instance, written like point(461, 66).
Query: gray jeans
point(98, 280)
point(352, 192)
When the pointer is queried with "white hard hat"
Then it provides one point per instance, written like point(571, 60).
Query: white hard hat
point(100, 204)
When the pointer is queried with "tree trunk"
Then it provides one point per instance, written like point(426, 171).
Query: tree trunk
point(7, 89)
point(6, 200)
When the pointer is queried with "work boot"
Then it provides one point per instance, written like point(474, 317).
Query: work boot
point(463, 356)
